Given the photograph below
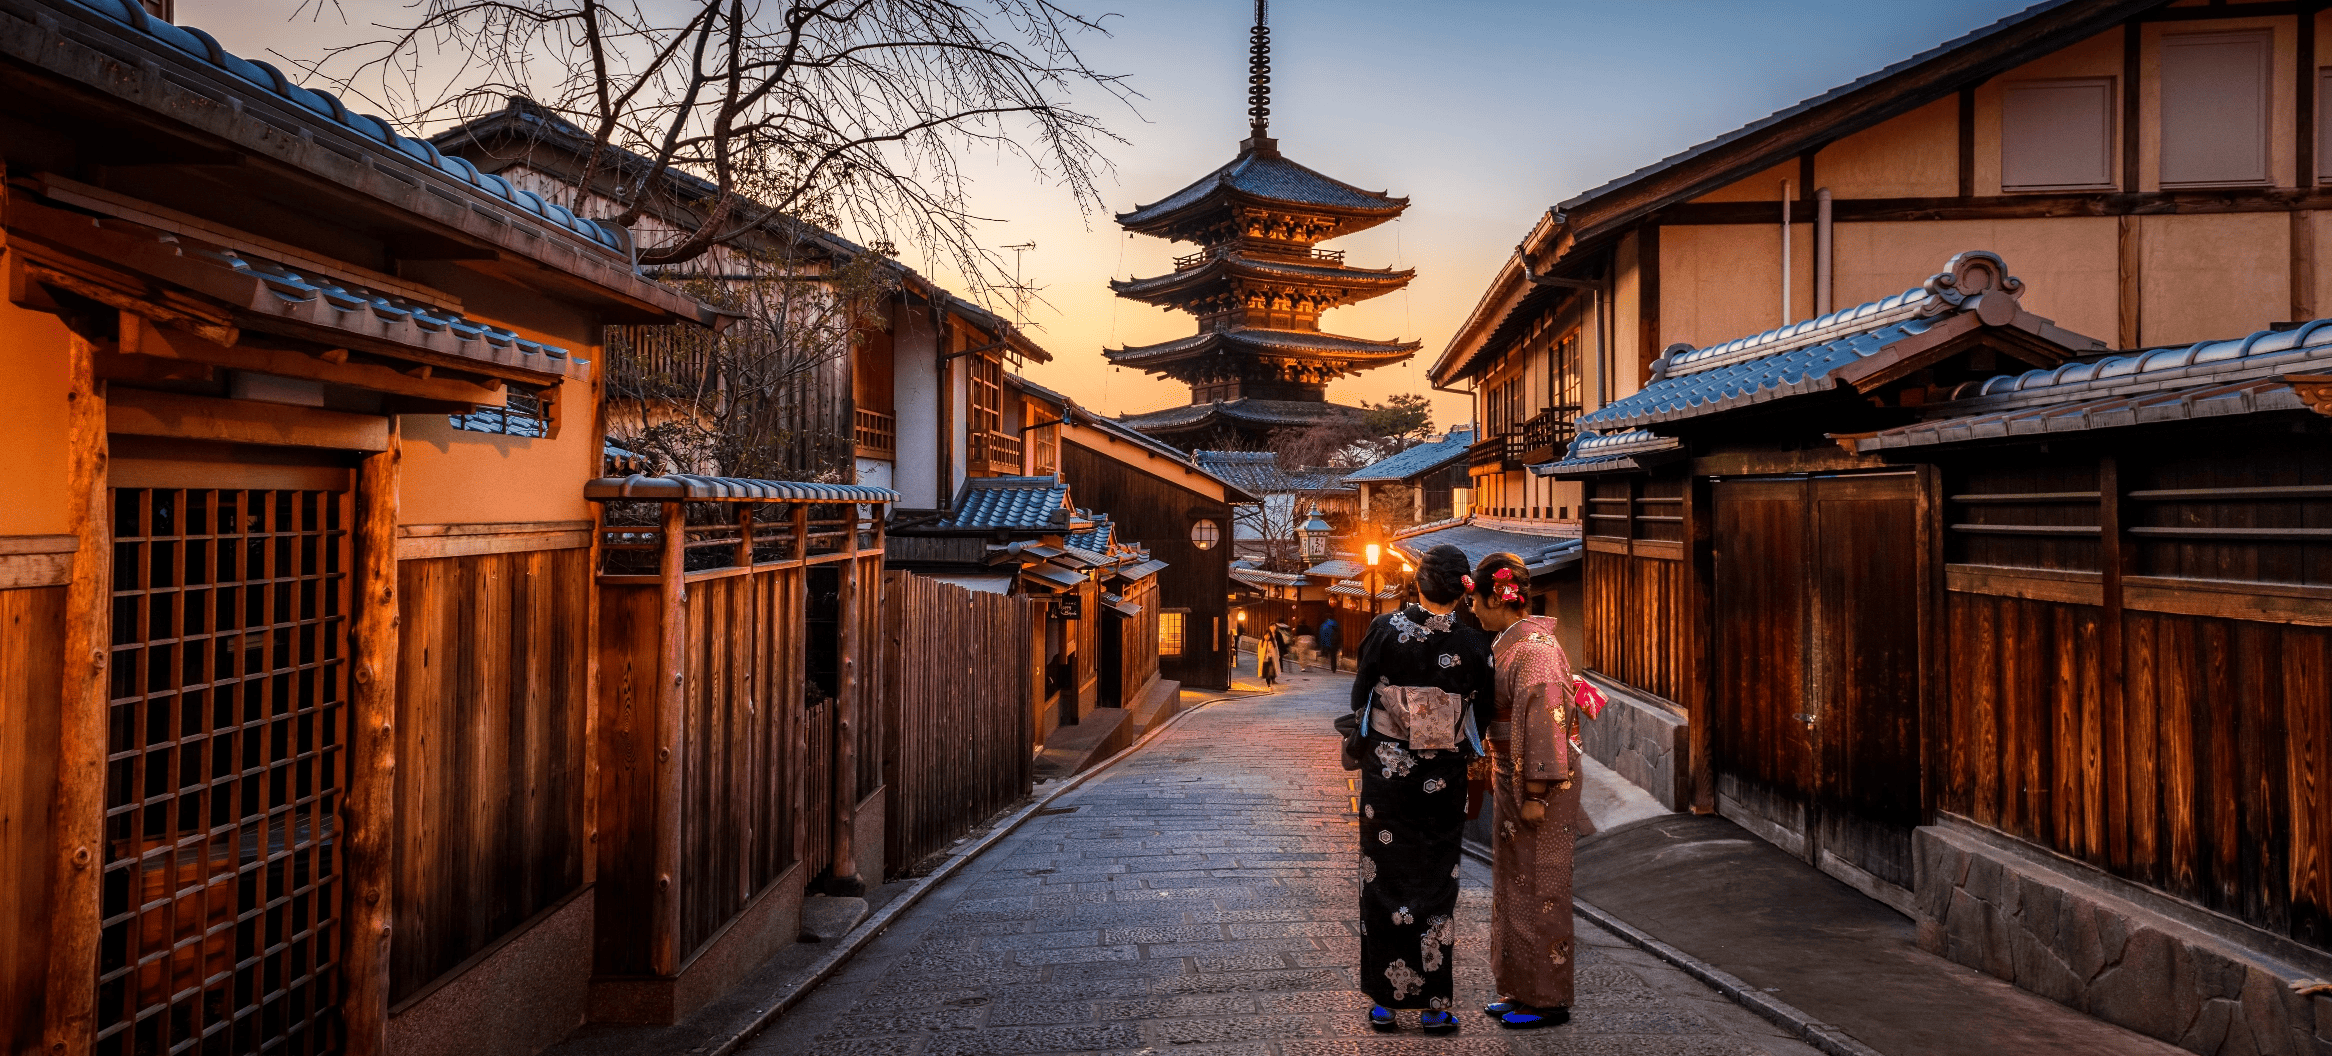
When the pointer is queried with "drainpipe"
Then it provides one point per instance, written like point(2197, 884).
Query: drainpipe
point(1785, 261)
point(1822, 251)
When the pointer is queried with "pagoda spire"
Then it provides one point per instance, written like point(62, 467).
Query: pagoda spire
point(1259, 75)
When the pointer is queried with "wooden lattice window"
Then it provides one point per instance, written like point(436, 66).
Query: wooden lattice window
point(1173, 629)
point(224, 770)
point(987, 395)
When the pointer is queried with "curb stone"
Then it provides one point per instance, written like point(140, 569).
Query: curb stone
point(874, 926)
point(1813, 1032)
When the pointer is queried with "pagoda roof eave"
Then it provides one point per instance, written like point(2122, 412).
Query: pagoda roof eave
point(1253, 177)
point(1359, 283)
point(1293, 344)
point(1248, 412)
point(1223, 198)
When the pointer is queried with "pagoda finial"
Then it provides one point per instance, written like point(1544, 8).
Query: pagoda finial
point(1259, 79)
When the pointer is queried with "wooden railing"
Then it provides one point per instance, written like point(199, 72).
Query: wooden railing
point(996, 453)
point(1316, 256)
point(877, 434)
point(1545, 436)
point(1503, 451)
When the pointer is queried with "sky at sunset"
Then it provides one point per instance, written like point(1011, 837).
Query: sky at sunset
point(1482, 113)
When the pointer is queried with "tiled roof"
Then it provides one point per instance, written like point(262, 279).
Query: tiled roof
point(1258, 472)
point(731, 489)
point(1024, 503)
point(1355, 284)
point(2202, 380)
point(326, 107)
point(1100, 539)
point(1540, 554)
point(1358, 589)
point(1257, 577)
point(1630, 449)
point(1257, 340)
point(1417, 461)
point(1141, 570)
point(1269, 176)
point(1802, 358)
point(1242, 411)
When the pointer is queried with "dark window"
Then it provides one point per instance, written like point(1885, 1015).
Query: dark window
point(825, 634)
point(525, 414)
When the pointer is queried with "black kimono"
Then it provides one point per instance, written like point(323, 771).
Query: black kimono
point(1413, 807)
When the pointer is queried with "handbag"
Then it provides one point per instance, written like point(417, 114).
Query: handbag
point(1348, 728)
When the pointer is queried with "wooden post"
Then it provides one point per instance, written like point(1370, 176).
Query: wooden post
point(368, 810)
point(593, 722)
point(671, 690)
point(845, 881)
point(78, 822)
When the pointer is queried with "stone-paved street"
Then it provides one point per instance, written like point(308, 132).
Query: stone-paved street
point(1198, 899)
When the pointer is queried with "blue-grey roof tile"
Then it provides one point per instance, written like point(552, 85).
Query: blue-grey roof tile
point(1416, 461)
point(1023, 503)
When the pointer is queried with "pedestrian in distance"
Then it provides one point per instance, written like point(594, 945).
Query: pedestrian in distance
point(1283, 641)
point(1328, 642)
point(1267, 659)
point(1424, 679)
point(1535, 801)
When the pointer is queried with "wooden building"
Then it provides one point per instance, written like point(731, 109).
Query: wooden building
point(1978, 617)
point(295, 732)
point(1180, 510)
point(1428, 482)
point(2155, 168)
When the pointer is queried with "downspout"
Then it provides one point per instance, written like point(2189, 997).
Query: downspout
point(1822, 250)
point(1785, 261)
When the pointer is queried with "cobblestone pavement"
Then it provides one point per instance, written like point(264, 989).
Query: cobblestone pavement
point(1198, 898)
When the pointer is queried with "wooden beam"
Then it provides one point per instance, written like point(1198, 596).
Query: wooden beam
point(332, 364)
point(77, 824)
point(1647, 301)
point(2008, 206)
point(2129, 270)
point(1967, 145)
point(2114, 563)
point(140, 412)
point(671, 700)
point(844, 880)
point(2132, 41)
point(369, 809)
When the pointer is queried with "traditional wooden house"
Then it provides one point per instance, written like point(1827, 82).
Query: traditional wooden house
point(1979, 618)
point(2156, 169)
point(1425, 483)
point(296, 738)
point(1179, 510)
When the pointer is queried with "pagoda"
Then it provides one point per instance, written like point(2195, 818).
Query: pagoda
point(1258, 283)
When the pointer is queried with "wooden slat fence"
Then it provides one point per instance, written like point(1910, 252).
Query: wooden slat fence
point(959, 665)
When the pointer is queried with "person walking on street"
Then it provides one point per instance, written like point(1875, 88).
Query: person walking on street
point(1267, 659)
point(1284, 642)
point(1328, 642)
point(1535, 804)
point(1423, 684)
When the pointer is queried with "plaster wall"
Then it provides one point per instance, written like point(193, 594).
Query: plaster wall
point(1719, 282)
point(32, 358)
point(453, 476)
point(1627, 319)
point(2208, 277)
point(914, 348)
point(1763, 187)
point(1912, 156)
point(2070, 265)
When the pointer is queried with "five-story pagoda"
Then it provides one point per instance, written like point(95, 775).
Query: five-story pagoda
point(1259, 362)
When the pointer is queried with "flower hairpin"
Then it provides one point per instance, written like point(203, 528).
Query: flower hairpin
point(1502, 574)
point(1468, 581)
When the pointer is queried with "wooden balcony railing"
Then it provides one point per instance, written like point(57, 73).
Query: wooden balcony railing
point(877, 434)
point(995, 453)
point(1316, 256)
point(1546, 435)
point(1503, 451)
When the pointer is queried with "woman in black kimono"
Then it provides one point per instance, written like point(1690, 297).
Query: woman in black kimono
point(1413, 800)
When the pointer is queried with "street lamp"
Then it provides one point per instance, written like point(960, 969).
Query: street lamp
point(1314, 534)
point(1374, 553)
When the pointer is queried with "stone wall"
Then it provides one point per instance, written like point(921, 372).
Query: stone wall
point(2119, 952)
point(1644, 741)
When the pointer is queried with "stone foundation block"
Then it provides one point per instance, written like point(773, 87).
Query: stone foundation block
point(1643, 741)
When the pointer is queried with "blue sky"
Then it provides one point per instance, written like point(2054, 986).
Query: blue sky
point(1482, 112)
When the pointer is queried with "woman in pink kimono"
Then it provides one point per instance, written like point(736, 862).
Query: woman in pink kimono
point(1535, 806)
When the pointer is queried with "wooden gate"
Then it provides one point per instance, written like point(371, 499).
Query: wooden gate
point(1820, 601)
point(226, 767)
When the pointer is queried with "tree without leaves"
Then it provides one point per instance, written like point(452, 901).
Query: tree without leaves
point(861, 107)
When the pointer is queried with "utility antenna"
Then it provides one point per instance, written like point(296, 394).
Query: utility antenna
point(1259, 71)
point(1021, 291)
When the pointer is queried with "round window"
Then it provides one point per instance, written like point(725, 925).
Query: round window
point(1205, 534)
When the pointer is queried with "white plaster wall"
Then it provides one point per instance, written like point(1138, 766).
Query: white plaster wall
point(915, 395)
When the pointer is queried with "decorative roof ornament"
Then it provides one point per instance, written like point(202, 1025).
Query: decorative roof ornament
point(1259, 72)
point(1969, 276)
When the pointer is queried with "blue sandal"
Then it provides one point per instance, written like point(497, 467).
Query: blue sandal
point(1438, 1023)
point(1499, 1008)
point(1523, 1017)
point(1381, 1020)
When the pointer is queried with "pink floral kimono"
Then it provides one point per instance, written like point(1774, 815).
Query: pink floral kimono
point(1530, 916)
